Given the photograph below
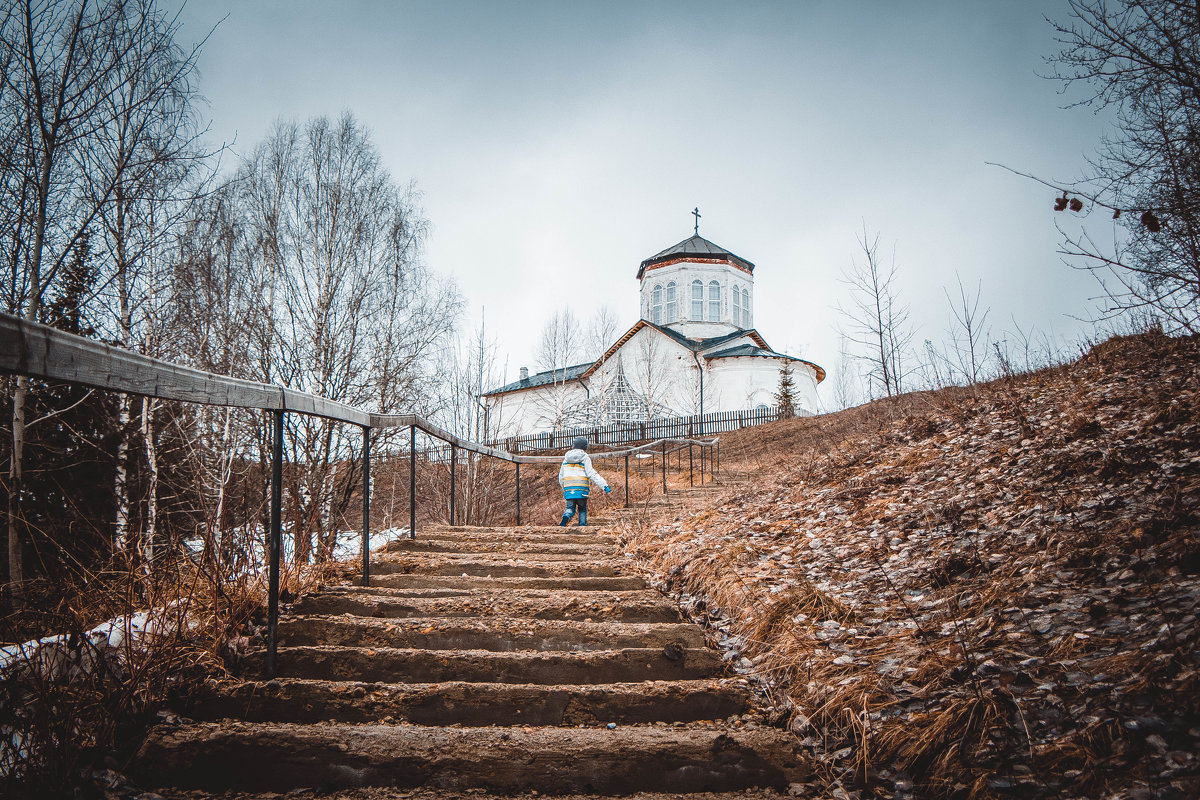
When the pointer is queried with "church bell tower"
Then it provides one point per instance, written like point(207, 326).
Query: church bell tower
point(698, 288)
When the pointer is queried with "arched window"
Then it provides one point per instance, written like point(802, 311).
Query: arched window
point(747, 322)
point(714, 301)
point(737, 306)
point(656, 305)
point(672, 311)
point(698, 301)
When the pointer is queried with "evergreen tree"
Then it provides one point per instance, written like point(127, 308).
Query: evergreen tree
point(785, 398)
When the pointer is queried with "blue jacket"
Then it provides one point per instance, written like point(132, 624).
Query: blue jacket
point(574, 475)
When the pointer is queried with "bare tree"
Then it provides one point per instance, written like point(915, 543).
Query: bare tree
point(561, 343)
point(473, 369)
point(560, 347)
point(969, 335)
point(208, 316)
point(601, 333)
point(66, 64)
point(349, 310)
point(879, 322)
point(149, 146)
point(845, 377)
point(1140, 58)
point(649, 377)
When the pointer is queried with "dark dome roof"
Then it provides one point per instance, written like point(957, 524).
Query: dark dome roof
point(695, 247)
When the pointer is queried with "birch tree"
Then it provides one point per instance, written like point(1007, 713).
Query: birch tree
point(560, 346)
point(348, 310)
point(602, 332)
point(66, 62)
point(214, 298)
point(148, 146)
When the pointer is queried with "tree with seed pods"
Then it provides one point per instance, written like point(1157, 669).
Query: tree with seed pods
point(1140, 59)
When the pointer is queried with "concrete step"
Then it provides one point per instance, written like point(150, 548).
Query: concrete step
point(587, 550)
point(635, 606)
point(497, 633)
point(471, 564)
point(391, 664)
point(472, 704)
point(383, 793)
point(399, 581)
point(529, 534)
point(281, 757)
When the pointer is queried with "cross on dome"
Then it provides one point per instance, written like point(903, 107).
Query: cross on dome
point(696, 214)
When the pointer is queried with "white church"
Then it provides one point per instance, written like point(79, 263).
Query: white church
point(694, 351)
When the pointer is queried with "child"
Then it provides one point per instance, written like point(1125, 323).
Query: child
point(573, 477)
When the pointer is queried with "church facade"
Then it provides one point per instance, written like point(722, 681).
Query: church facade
point(694, 350)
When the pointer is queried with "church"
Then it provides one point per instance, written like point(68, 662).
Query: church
point(694, 350)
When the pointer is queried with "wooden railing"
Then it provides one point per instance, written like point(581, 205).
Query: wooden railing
point(42, 352)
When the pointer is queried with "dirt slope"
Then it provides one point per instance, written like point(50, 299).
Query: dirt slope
point(973, 593)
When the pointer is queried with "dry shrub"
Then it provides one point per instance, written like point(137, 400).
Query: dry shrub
point(79, 703)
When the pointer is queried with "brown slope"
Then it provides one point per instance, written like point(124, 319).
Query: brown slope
point(974, 593)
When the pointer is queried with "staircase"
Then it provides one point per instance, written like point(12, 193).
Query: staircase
point(501, 660)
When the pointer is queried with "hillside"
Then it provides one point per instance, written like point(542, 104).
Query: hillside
point(987, 592)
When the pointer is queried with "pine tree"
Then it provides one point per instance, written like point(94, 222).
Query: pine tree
point(785, 398)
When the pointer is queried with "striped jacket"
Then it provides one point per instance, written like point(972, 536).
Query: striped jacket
point(574, 473)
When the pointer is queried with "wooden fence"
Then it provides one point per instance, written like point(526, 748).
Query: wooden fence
point(39, 351)
point(665, 428)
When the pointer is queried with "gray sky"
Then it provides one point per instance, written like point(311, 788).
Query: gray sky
point(557, 144)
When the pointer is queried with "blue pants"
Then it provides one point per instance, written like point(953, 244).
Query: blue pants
point(573, 504)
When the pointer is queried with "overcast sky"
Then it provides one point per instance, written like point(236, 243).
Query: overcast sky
point(557, 144)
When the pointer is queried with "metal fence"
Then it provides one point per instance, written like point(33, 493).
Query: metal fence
point(625, 432)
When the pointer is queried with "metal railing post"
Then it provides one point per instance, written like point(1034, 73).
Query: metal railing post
point(366, 533)
point(716, 458)
point(412, 481)
point(664, 467)
point(627, 480)
point(692, 468)
point(518, 465)
point(703, 450)
point(275, 543)
point(453, 463)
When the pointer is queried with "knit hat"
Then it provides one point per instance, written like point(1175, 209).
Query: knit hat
point(580, 443)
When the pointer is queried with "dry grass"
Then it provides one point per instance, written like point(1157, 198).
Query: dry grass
point(970, 593)
point(77, 706)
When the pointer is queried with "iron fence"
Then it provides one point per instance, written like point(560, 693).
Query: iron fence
point(663, 428)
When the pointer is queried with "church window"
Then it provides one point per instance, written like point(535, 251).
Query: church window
point(714, 301)
point(737, 306)
point(671, 314)
point(698, 301)
point(746, 321)
point(656, 304)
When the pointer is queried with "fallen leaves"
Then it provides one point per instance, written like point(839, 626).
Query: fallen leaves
point(973, 592)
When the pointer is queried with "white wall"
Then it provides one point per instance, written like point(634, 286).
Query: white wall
point(533, 410)
point(683, 274)
point(666, 372)
point(751, 381)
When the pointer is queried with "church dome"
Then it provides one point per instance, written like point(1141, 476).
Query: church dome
point(692, 249)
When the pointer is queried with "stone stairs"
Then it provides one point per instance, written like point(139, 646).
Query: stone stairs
point(502, 660)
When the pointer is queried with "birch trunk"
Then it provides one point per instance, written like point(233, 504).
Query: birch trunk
point(150, 536)
point(124, 413)
point(121, 481)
